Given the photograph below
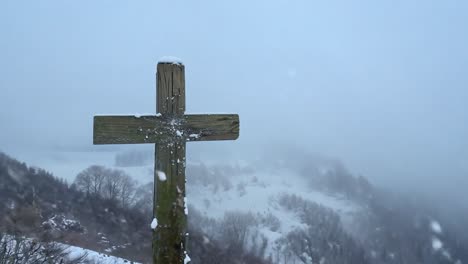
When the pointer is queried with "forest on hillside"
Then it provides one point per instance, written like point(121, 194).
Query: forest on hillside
point(106, 211)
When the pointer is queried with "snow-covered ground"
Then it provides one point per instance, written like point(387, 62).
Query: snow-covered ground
point(73, 252)
point(257, 191)
point(95, 257)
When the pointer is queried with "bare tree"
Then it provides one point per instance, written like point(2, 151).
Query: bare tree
point(144, 198)
point(91, 180)
point(113, 180)
point(236, 226)
point(110, 184)
point(127, 191)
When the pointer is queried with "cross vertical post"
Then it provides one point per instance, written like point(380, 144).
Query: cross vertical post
point(169, 238)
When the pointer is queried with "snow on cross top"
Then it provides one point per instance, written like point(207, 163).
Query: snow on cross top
point(170, 60)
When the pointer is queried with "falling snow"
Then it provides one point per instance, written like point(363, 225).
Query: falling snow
point(161, 175)
point(436, 228)
point(436, 244)
point(154, 223)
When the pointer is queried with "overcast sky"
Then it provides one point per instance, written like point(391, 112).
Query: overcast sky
point(381, 85)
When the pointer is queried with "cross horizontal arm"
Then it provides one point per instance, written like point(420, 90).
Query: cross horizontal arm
point(160, 129)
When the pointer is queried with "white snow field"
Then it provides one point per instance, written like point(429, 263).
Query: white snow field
point(96, 257)
point(257, 191)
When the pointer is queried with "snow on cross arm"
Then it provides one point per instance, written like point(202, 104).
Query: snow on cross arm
point(194, 135)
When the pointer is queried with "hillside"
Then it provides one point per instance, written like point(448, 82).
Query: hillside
point(274, 211)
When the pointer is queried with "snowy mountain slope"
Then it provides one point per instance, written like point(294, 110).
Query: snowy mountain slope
point(315, 212)
point(217, 190)
point(256, 192)
point(296, 212)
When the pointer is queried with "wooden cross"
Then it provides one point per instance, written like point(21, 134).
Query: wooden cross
point(170, 129)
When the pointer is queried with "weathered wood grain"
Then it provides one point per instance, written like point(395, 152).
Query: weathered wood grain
point(169, 238)
point(159, 129)
point(170, 88)
point(211, 127)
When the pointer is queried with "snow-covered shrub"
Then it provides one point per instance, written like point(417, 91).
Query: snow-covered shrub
point(236, 227)
point(61, 223)
point(19, 250)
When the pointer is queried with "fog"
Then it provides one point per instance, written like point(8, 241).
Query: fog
point(380, 86)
